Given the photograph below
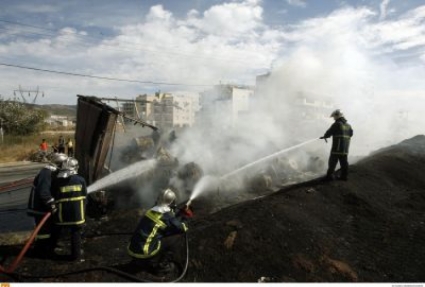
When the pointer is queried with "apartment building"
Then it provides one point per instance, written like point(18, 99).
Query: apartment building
point(226, 103)
point(164, 110)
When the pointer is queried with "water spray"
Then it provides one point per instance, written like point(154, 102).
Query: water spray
point(131, 171)
point(208, 180)
point(201, 186)
point(266, 158)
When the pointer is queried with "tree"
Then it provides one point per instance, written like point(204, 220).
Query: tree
point(20, 119)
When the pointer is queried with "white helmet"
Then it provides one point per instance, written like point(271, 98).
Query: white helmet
point(70, 164)
point(58, 159)
point(69, 167)
point(336, 114)
point(166, 197)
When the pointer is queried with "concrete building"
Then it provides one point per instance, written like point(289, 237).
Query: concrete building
point(224, 103)
point(141, 108)
point(64, 121)
point(164, 110)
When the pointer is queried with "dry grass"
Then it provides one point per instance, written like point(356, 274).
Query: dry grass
point(19, 148)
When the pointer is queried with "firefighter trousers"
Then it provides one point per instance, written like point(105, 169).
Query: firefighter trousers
point(333, 161)
point(76, 240)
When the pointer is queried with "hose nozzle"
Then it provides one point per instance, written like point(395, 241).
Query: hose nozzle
point(188, 204)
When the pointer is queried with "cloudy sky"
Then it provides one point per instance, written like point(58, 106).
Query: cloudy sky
point(125, 48)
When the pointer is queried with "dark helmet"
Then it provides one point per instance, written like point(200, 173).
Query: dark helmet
point(337, 114)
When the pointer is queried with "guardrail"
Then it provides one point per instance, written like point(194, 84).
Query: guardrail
point(16, 185)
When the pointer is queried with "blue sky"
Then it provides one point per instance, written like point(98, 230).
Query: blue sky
point(196, 43)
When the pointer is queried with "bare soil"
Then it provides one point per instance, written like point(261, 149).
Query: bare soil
point(368, 229)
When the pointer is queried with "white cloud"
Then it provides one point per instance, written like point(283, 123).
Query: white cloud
point(408, 31)
point(157, 13)
point(228, 42)
point(383, 7)
point(230, 19)
point(299, 3)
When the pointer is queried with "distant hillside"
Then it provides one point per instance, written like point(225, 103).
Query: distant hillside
point(61, 110)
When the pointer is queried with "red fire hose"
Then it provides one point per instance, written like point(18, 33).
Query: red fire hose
point(18, 259)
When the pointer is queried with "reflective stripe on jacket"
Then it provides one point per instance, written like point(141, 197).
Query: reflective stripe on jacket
point(341, 133)
point(70, 194)
point(154, 225)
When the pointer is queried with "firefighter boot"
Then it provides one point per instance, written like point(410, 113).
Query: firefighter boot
point(164, 268)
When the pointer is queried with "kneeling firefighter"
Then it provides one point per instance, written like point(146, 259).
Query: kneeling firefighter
point(148, 246)
point(70, 192)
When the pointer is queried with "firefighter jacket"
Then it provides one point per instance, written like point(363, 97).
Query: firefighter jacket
point(341, 133)
point(40, 196)
point(157, 223)
point(70, 195)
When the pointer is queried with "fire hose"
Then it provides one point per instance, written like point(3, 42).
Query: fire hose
point(24, 250)
point(15, 263)
point(114, 270)
point(111, 270)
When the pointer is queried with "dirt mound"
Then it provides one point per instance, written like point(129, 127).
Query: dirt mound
point(368, 229)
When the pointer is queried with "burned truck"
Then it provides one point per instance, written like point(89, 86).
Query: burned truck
point(98, 128)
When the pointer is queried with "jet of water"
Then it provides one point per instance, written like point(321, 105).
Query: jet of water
point(208, 181)
point(202, 185)
point(130, 171)
point(264, 159)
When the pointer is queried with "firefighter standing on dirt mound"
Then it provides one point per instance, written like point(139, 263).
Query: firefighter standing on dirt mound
point(41, 201)
point(341, 133)
point(146, 247)
point(70, 191)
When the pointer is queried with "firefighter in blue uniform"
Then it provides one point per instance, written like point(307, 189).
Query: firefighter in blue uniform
point(70, 191)
point(41, 201)
point(341, 133)
point(148, 247)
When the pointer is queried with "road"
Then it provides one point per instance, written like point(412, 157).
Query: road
point(15, 185)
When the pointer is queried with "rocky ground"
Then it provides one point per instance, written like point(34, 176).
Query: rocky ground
point(368, 229)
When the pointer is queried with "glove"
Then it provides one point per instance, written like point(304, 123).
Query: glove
point(53, 208)
point(186, 212)
point(322, 138)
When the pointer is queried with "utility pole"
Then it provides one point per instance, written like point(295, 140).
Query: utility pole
point(1, 130)
point(22, 91)
point(120, 115)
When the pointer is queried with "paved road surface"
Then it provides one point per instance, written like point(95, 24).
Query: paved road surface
point(15, 185)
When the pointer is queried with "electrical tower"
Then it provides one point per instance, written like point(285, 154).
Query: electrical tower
point(22, 91)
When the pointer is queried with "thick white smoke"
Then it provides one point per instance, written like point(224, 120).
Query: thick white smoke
point(334, 62)
point(349, 60)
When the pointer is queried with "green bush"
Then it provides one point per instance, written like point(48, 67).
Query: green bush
point(19, 119)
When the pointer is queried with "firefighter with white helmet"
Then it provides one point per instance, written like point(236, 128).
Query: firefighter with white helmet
point(148, 247)
point(70, 192)
point(42, 201)
point(341, 133)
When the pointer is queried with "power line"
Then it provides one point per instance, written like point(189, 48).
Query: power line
point(101, 77)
